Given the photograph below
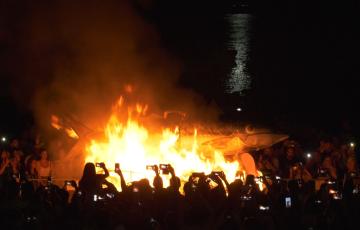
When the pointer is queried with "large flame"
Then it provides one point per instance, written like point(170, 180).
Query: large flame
point(135, 144)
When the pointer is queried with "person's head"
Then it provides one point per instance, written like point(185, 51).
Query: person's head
point(351, 164)
point(268, 152)
point(296, 170)
point(44, 154)
point(326, 145)
point(4, 154)
point(189, 189)
point(250, 180)
point(158, 183)
point(14, 143)
point(17, 156)
point(31, 165)
point(175, 183)
point(327, 162)
point(290, 153)
point(89, 170)
point(336, 155)
point(144, 186)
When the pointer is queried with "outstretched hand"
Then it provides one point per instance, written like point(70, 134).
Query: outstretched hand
point(102, 165)
point(118, 171)
point(73, 183)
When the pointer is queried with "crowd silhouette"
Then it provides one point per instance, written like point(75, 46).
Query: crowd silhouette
point(316, 192)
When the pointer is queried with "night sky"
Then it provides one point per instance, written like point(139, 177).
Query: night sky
point(303, 60)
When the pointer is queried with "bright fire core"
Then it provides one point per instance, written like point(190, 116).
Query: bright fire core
point(127, 141)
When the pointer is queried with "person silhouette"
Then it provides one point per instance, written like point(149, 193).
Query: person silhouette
point(91, 182)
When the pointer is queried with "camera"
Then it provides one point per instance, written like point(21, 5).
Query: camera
point(98, 164)
point(165, 168)
point(67, 182)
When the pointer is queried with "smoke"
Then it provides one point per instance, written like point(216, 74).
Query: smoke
point(100, 49)
point(74, 58)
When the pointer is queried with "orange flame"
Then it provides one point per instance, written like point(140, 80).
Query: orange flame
point(55, 122)
point(131, 144)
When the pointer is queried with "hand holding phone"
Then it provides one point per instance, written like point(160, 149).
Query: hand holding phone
point(100, 165)
point(165, 168)
point(151, 167)
point(117, 167)
point(197, 176)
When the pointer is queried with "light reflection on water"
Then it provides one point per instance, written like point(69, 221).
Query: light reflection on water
point(239, 80)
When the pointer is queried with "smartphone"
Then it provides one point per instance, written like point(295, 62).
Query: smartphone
point(198, 174)
point(117, 167)
point(165, 168)
point(217, 173)
point(337, 196)
point(355, 190)
point(110, 195)
point(264, 208)
point(98, 164)
point(287, 202)
point(67, 182)
point(150, 167)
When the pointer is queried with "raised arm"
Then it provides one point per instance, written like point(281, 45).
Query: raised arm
point(3, 167)
point(122, 179)
point(102, 165)
point(223, 177)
